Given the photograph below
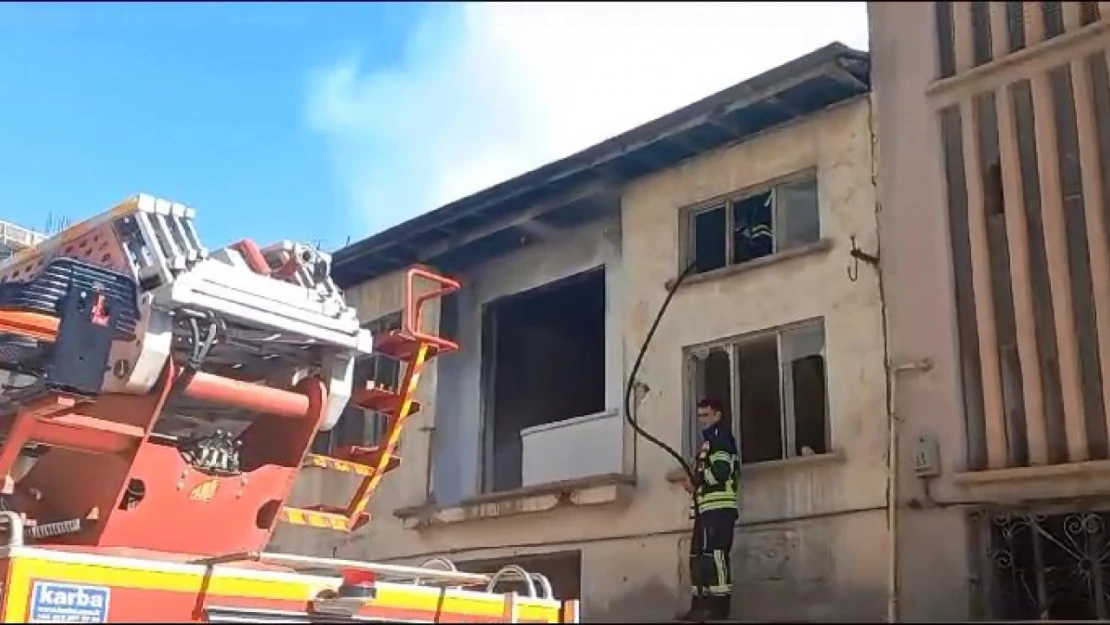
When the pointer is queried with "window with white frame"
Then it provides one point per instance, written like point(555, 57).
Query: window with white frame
point(753, 223)
point(773, 389)
point(357, 427)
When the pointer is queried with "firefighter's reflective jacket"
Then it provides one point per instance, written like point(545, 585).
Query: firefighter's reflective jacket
point(716, 471)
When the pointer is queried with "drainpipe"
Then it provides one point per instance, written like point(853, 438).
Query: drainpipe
point(893, 465)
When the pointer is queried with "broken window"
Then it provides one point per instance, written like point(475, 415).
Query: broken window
point(752, 225)
point(357, 427)
point(543, 361)
point(777, 383)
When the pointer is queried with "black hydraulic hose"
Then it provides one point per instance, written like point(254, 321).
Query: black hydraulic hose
point(628, 388)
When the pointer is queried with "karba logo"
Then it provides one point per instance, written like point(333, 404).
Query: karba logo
point(71, 597)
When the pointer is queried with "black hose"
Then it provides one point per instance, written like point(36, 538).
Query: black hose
point(628, 388)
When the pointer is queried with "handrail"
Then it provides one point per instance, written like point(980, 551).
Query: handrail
point(15, 528)
point(437, 560)
point(548, 591)
point(521, 576)
point(413, 313)
point(450, 566)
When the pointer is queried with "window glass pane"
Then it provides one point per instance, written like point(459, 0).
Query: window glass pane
point(709, 239)
point(796, 214)
point(806, 394)
point(760, 412)
point(752, 236)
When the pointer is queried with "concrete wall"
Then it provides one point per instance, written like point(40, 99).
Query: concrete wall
point(920, 306)
point(780, 562)
point(811, 545)
point(922, 266)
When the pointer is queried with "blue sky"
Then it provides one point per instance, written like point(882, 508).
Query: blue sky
point(202, 104)
point(320, 122)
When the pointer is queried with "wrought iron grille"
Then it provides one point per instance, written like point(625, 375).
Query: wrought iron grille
point(1049, 566)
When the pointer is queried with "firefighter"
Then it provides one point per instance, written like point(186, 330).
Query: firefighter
point(715, 486)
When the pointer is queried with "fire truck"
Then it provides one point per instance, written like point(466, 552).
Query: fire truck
point(159, 400)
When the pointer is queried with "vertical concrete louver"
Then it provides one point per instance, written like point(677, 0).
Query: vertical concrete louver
point(1023, 110)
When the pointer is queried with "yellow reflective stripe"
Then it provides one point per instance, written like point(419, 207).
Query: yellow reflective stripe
point(727, 498)
point(721, 456)
point(709, 477)
point(720, 590)
point(720, 494)
point(717, 505)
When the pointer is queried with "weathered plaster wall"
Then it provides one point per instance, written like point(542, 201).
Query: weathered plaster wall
point(812, 541)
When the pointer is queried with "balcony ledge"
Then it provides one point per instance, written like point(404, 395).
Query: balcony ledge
point(613, 488)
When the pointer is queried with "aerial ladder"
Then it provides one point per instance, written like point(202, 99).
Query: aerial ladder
point(159, 401)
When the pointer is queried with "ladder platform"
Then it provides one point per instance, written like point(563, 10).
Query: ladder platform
point(403, 345)
point(383, 399)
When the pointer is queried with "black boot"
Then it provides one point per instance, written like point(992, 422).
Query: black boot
point(719, 607)
point(699, 610)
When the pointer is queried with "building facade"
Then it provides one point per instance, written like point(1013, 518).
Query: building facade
point(994, 126)
point(522, 452)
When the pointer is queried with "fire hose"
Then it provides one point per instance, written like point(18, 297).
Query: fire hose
point(633, 421)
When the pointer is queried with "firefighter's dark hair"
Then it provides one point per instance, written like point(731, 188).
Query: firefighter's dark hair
point(712, 403)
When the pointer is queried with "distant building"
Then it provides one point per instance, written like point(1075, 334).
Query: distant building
point(994, 144)
point(14, 238)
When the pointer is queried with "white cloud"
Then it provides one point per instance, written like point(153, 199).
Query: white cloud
point(489, 91)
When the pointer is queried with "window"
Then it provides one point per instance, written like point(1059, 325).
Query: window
point(775, 383)
point(359, 427)
point(543, 361)
point(761, 223)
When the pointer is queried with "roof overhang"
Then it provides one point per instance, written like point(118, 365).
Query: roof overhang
point(804, 86)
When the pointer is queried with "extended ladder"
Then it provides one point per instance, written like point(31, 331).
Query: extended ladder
point(412, 347)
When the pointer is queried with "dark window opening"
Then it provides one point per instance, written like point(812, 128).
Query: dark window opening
point(357, 427)
point(755, 225)
point(548, 365)
point(1053, 19)
point(1015, 25)
point(946, 39)
point(1088, 13)
point(760, 421)
point(562, 569)
point(710, 250)
point(752, 234)
point(778, 385)
point(449, 316)
point(981, 34)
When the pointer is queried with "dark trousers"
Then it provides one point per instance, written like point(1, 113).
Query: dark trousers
point(711, 561)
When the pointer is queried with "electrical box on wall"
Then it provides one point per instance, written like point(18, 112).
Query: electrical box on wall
point(926, 461)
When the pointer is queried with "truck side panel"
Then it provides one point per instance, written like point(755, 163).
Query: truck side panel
point(39, 587)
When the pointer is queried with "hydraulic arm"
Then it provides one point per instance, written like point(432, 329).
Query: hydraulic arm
point(151, 382)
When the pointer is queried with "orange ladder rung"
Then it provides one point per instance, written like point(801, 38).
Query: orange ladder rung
point(353, 463)
point(403, 345)
point(319, 519)
point(383, 399)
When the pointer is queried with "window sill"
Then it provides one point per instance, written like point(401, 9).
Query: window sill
point(835, 456)
point(1075, 479)
point(819, 246)
point(613, 488)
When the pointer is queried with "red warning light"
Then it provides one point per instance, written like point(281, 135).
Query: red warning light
point(354, 577)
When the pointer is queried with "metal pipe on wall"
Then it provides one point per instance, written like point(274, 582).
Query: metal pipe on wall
point(893, 465)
